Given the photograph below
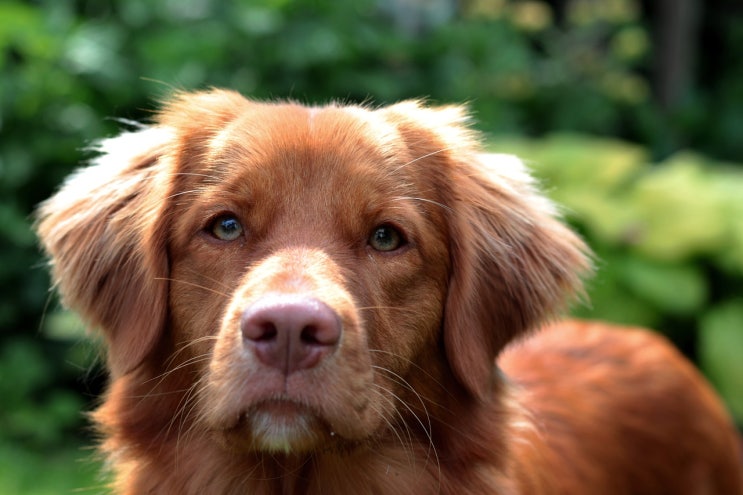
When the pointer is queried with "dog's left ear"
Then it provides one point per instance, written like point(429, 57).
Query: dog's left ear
point(513, 263)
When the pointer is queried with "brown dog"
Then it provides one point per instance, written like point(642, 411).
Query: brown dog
point(311, 300)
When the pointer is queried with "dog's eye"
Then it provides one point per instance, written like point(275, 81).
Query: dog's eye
point(225, 228)
point(386, 238)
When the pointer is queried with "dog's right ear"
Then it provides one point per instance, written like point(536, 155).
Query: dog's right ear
point(106, 230)
point(108, 257)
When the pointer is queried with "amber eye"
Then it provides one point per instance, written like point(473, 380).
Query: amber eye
point(386, 238)
point(226, 228)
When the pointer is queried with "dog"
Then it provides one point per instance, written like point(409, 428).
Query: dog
point(354, 300)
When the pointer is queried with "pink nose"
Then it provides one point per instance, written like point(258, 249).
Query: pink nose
point(290, 332)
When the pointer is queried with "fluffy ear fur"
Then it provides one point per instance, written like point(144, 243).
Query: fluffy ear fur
point(108, 258)
point(513, 264)
point(106, 230)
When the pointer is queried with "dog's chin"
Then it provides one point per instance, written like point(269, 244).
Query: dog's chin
point(279, 427)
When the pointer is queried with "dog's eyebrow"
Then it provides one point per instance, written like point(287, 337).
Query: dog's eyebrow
point(194, 174)
point(422, 200)
point(427, 155)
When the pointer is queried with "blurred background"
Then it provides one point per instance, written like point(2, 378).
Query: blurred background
point(630, 112)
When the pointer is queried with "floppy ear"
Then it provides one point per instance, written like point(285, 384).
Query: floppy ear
point(107, 255)
point(106, 230)
point(513, 264)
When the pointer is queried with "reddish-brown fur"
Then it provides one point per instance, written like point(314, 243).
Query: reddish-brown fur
point(402, 395)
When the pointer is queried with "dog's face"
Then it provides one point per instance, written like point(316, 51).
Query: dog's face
point(320, 275)
point(306, 243)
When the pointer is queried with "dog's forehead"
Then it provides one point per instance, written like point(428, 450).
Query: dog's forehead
point(281, 128)
point(293, 146)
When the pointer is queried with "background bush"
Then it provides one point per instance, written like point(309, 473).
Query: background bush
point(580, 88)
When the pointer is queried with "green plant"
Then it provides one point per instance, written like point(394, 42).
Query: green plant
point(667, 237)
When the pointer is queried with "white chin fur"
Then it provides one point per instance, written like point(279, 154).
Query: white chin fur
point(280, 433)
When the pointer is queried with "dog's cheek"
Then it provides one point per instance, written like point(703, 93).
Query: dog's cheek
point(405, 301)
point(199, 295)
point(225, 370)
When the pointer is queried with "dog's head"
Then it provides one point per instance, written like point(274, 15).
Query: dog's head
point(314, 267)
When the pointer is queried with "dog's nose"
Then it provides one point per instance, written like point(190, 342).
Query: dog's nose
point(290, 332)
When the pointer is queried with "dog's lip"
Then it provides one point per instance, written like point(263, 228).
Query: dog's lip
point(281, 408)
point(284, 425)
point(278, 408)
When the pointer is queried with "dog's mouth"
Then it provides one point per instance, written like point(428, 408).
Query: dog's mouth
point(279, 426)
point(282, 409)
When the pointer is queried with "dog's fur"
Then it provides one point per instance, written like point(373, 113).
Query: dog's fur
point(409, 260)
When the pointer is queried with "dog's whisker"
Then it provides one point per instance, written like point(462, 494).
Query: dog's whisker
point(418, 367)
point(195, 174)
point(248, 477)
point(180, 414)
point(421, 200)
point(210, 279)
point(169, 369)
point(157, 394)
point(397, 378)
point(184, 193)
point(423, 157)
point(192, 284)
point(387, 308)
point(390, 399)
point(163, 376)
point(427, 430)
point(183, 347)
point(186, 410)
point(185, 364)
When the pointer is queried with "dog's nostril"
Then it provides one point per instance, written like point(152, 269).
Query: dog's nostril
point(258, 330)
point(321, 334)
point(309, 335)
point(268, 332)
point(290, 332)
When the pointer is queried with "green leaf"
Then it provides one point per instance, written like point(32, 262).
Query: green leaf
point(679, 212)
point(673, 288)
point(611, 301)
point(64, 326)
point(721, 352)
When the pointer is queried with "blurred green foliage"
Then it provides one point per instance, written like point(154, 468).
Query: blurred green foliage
point(668, 239)
point(667, 225)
